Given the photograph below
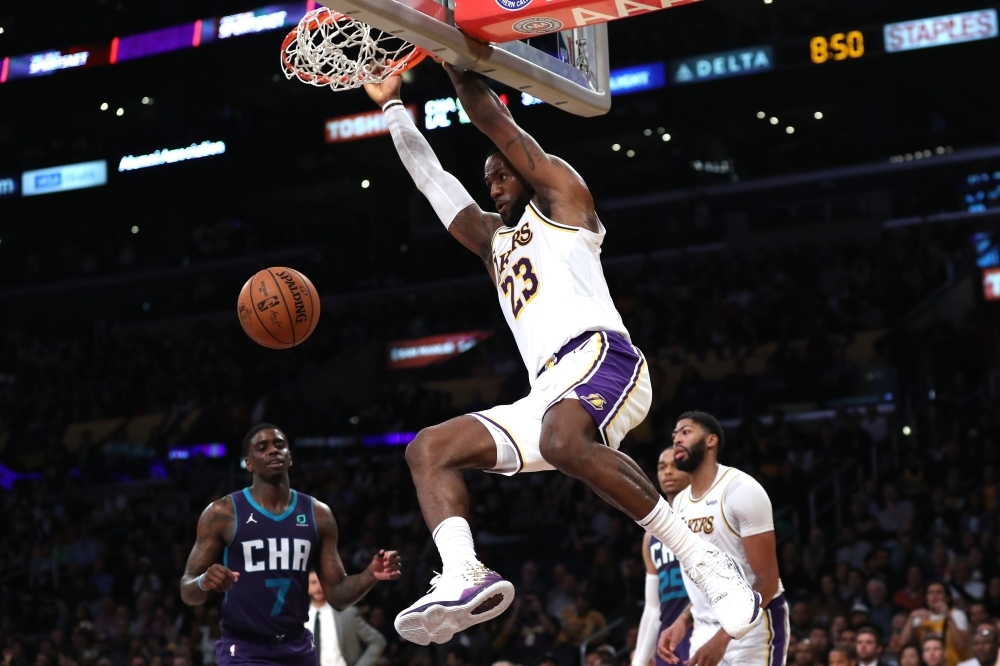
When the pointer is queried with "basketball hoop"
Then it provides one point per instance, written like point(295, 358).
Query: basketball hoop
point(328, 48)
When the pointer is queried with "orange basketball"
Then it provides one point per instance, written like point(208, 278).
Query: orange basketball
point(278, 307)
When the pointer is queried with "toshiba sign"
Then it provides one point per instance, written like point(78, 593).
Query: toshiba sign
point(940, 30)
point(360, 126)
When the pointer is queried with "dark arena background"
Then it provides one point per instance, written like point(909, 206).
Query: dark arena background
point(803, 209)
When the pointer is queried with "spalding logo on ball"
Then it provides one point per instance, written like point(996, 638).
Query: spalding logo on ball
point(278, 307)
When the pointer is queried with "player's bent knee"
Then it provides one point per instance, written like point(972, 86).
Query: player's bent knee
point(420, 452)
point(563, 452)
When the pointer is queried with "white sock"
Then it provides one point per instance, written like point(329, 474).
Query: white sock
point(453, 539)
point(664, 524)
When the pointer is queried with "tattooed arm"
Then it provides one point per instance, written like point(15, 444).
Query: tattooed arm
point(343, 591)
point(559, 189)
point(203, 574)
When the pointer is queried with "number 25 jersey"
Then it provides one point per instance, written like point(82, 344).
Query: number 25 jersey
point(551, 286)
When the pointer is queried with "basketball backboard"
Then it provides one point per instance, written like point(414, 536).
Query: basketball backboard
point(578, 82)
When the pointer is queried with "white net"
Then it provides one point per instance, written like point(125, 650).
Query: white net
point(331, 49)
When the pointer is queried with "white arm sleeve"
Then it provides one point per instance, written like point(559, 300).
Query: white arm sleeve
point(446, 194)
point(747, 507)
point(649, 625)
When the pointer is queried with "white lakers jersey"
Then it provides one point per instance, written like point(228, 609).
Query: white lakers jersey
point(551, 286)
point(735, 506)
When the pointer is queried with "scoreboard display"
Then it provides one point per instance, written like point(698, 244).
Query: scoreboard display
point(838, 46)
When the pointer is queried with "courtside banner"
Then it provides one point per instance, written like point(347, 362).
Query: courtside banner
point(940, 30)
point(421, 352)
point(360, 126)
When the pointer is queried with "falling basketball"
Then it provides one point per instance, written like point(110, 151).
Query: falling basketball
point(278, 307)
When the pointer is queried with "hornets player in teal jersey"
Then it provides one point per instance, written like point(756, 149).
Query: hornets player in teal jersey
point(257, 546)
point(666, 597)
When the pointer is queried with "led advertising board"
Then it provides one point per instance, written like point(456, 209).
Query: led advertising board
point(360, 126)
point(63, 178)
point(637, 78)
point(753, 60)
point(940, 30)
point(421, 352)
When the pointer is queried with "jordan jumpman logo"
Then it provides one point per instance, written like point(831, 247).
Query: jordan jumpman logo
point(250, 519)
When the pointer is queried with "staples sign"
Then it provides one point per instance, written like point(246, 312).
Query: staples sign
point(360, 126)
point(940, 30)
point(991, 284)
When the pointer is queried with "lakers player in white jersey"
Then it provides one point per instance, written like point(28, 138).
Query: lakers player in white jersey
point(589, 384)
point(729, 509)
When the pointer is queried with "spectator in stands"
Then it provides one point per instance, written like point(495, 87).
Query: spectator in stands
point(867, 647)
point(910, 656)
point(977, 614)
point(939, 619)
point(842, 655)
point(879, 608)
point(827, 603)
point(895, 514)
point(819, 639)
point(804, 654)
point(984, 646)
point(800, 619)
point(582, 624)
point(852, 550)
point(933, 651)
point(913, 596)
point(992, 600)
point(527, 625)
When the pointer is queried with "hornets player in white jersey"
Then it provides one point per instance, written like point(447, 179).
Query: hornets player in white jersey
point(666, 596)
point(589, 384)
point(728, 508)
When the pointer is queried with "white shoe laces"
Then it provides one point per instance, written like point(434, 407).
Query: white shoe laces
point(474, 572)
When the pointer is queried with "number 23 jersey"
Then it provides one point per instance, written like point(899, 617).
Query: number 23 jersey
point(551, 285)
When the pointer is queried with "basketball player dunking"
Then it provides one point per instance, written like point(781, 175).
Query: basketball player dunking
point(728, 508)
point(666, 596)
point(589, 384)
point(257, 547)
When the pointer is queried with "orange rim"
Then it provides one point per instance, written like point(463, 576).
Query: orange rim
point(411, 59)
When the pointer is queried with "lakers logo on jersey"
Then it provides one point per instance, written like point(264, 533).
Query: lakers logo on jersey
point(703, 525)
point(595, 400)
point(522, 236)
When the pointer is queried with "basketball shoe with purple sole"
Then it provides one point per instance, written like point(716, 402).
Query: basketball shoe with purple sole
point(458, 599)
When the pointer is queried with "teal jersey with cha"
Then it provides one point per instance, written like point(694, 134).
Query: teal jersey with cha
point(273, 555)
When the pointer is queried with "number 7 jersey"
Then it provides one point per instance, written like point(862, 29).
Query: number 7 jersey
point(551, 286)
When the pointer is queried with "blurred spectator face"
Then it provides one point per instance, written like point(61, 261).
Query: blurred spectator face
point(978, 615)
point(937, 599)
point(529, 572)
point(671, 479)
point(66, 659)
point(866, 646)
point(847, 637)
point(137, 661)
point(377, 617)
point(582, 605)
point(828, 585)
point(876, 595)
point(914, 578)
point(316, 589)
point(838, 624)
point(909, 656)
point(933, 652)
point(181, 661)
point(804, 654)
point(984, 644)
point(800, 614)
point(632, 637)
point(818, 640)
point(840, 658)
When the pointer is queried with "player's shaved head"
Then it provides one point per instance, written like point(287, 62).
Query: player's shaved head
point(509, 190)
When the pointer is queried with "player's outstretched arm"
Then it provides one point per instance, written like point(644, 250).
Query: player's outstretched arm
point(455, 207)
point(550, 176)
point(343, 591)
point(204, 574)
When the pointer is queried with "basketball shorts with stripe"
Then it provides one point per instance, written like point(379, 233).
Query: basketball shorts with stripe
point(764, 645)
point(601, 369)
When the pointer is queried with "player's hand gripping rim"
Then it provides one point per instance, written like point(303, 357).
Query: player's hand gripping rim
point(217, 579)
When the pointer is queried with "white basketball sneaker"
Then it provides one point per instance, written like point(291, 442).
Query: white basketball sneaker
point(459, 598)
point(720, 578)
